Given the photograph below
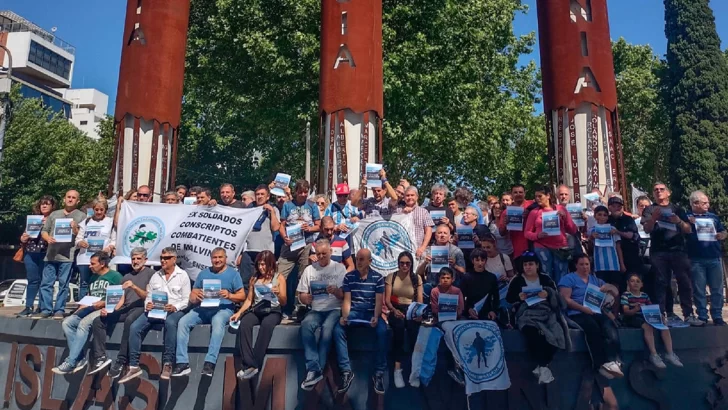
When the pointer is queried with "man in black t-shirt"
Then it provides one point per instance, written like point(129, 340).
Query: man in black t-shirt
point(629, 236)
point(437, 204)
point(668, 226)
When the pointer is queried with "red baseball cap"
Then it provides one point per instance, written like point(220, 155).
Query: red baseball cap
point(342, 189)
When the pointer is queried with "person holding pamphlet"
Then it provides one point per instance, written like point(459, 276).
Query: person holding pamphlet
point(446, 287)
point(229, 291)
point(34, 250)
point(469, 222)
point(704, 251)
point(668, 226)
point(599, 329)
point(279, 184)
point(420, 218)
point(134, 291)
point(538, 307)
point(260, 237)
point(96, 233)
point(512, 224)
point(547, 227)
point(362, 307)
point(440, 213)
point(340, 249)
point(638, 312)
point(300, 217)
point(480, 289)
point(382, 203)
point(59, 256)
point(401, 289)
point(320, 287)
point(78, 325)
point(168, 295)
point(455, 259)
point(629, 236)
point(606, 243)
point(261, 308)
point(345, 214)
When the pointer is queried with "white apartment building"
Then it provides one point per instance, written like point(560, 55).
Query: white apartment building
point(88, 107)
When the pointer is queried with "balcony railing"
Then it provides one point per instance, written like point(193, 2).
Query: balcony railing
point(23, 28)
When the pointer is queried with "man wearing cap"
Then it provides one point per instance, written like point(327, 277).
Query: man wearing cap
point(344, 214)
point(629, 235)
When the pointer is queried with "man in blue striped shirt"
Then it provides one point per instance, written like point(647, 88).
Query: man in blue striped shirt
point(362, 306)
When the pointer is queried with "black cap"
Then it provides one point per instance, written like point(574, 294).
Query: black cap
point(615, 200)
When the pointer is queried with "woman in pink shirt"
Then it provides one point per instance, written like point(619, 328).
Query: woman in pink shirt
point(547, 227)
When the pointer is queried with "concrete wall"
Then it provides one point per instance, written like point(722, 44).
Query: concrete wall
point(29, 349)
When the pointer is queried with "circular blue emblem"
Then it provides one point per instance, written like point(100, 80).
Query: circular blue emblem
point(385, 239)
point(483, 357)
point(145, 231)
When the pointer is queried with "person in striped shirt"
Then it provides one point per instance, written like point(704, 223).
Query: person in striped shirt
point(362, 307)
point(608, 261)
point(344, 214)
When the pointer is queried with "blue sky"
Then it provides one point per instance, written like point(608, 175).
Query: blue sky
point(95, 28)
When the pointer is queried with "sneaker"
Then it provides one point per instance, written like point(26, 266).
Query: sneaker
point(100, 364)
point(166, 371)
point(63, 368)
point(116, 369)
point(694, 321)
point(311, 380)
point(719, 322)
point(673, 359)
point(546, 376)
point(613, 369)
point(25, 312)
point(58, 316)
point(131, 373)
point(657, 361)
point(41, 315)
point(208, 369)
point(379, 382)
point(345, 382)
point(457, 375)
point(181, 370)
point(247, 374)
point(80, 365)
point(398, 379)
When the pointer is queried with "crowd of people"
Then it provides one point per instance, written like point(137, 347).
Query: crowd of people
point(519, 243)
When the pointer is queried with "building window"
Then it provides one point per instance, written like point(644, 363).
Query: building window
point(49, 60)
point(84, 122)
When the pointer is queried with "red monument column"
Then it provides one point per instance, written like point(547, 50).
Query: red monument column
point(580, 96)
point(351, 104)
point(149, 97)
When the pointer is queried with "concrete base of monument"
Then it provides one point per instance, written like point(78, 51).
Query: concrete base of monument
point(30, 348)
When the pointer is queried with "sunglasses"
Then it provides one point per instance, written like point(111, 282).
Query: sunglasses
point(660, 189)
point(138, 194)
point(166, 258)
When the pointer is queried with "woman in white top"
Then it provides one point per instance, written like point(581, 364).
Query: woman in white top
point(95, 233)
point(262, 307)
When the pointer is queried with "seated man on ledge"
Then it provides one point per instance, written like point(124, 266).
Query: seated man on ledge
point(363, 294)
point(320, 287)
point(222, 286)
point(174, 282)
point(78, 325)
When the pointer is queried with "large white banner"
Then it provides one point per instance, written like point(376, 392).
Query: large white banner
point(386, 239)
point(193, 230)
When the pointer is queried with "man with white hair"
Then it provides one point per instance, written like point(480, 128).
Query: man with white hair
point(420, 217)
point(437, 204)
point(704, 251)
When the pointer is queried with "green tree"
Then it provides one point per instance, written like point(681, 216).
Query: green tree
point(698, 95)
point(457, 104)
point(46, 155)
point(643, 118)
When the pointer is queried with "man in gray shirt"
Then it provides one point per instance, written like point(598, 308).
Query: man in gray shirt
point(59, 257)
point(261, 236)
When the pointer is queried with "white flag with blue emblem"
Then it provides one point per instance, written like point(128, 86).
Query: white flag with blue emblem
point(194, 231)
point(477, 347)
point(386, 238)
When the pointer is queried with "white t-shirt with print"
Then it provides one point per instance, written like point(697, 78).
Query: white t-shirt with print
point(333, 274)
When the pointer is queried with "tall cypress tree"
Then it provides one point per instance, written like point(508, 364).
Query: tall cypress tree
point(697, 87)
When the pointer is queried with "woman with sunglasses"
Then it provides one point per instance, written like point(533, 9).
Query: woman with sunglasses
point(538, 314)
point(502, 242)
point(322, 202)
point(95, 234)
point(261, 307)
point(401, 289)
point(551, 245)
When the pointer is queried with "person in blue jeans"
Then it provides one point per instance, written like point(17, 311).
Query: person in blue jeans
point(231, 291)
point(35, 250)
point(59, 257)
point(362, 306)
point(320, 287)
point(703, 246)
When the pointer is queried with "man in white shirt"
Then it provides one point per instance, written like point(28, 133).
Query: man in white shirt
point(320, 287)
point(175, 282)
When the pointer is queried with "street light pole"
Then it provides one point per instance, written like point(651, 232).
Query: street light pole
point(5, 85)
